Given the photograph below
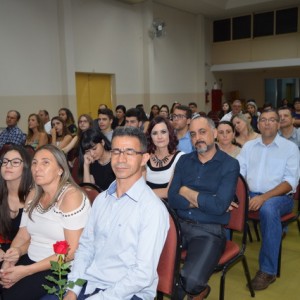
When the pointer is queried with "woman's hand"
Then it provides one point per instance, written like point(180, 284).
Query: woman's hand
point(53, 132)
point(12, 255)
point(11, 275)
point(1, 255)
point(88, 159)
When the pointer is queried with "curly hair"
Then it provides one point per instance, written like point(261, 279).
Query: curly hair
point(173, 141)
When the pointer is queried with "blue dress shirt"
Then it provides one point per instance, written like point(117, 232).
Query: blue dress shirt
point(185, 144)
point(121, 244)
point(215, 181)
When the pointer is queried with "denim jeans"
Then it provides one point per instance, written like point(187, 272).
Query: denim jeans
point(271, 230)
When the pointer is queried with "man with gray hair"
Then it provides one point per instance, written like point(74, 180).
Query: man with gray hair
point(12, 134)
point(120, 246)
point(201, 192)
point(236, 109)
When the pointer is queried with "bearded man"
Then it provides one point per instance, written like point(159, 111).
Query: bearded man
point(201, 192)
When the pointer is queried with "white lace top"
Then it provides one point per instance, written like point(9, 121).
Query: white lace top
point(48, 228)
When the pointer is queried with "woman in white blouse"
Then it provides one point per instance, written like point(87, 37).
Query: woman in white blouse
point(162, 144)
point(55, 210)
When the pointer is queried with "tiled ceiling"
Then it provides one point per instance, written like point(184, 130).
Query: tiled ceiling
point(223, 8)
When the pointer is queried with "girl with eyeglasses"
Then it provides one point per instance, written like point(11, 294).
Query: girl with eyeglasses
point(15, 184)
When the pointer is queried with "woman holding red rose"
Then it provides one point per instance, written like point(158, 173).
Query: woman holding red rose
point(55, 210)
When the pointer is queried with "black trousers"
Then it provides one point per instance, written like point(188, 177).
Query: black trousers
point(205, 244)
point(29, 287)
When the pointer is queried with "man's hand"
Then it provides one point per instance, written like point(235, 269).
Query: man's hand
point(190, 195)
point(256, 202)
point(232, 206)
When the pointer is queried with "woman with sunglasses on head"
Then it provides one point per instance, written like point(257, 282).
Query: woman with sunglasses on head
point(36, 137)
point(162, 144)
point(60, 135)
point(97, 169)
point(15, 184)
point(56, 209)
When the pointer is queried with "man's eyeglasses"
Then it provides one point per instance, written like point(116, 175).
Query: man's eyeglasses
point(265, 120)
point(177, 117)
point(126, 151)
point(15, 162)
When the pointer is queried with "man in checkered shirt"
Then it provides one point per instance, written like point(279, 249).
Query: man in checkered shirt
point(12, 134)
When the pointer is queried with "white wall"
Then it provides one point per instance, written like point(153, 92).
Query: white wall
point(30, 67)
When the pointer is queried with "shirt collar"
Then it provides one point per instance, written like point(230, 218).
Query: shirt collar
point(133, 193)
point(276, 141)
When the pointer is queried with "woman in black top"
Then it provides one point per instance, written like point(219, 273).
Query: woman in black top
point(97, 166)
point(15, 183)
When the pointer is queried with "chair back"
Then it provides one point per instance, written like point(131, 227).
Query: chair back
point(238, 216)
point(92, 190)
point(74, 171)
point(169, 262)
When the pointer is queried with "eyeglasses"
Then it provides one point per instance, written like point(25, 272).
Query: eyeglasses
point(271, 120)
point(82, 121)
point(179, 117)
point(15, 162)
point(126, 151)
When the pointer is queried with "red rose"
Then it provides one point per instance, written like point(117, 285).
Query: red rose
point(61, 247)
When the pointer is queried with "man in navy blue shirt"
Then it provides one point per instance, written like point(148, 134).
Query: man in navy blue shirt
point(201, 192)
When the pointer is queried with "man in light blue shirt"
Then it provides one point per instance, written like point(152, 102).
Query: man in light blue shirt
point(120, 246)
point(270, 165)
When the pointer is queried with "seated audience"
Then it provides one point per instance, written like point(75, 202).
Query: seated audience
point(201, 192)
point(270, 165)
point(236, 109)
point(120, 116)
point(181, 119)
point(56, 209)
point(296, 113)
point(60, 136)
point(44, 116)
point(154, 112)
point(164, 111)
point(97, 159)
point(120, 247)
point(133, 118)
point(162, 143)
point(36, 136)
point(244, 131)
point(105, 119)
point(252, 109)
point(226, 138)
point(287, 130)
point(144, 119)
point(84, 123)
point(226, 108)
point(194, 108)
point(67, 116)
point(15, 184)
point(12, 134)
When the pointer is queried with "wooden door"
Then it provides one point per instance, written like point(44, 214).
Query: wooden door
point(91, 91)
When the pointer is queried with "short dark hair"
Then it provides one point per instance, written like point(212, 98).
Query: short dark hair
point(227, 123)
point(267, 111)
point(131, 132)
point(91, 137)
point(173, 141)
point(186, 109)
point(134, 112)
point(106, 111)
point(193, 103)
point(122, 107)
point(285, 108)
point(296, 100)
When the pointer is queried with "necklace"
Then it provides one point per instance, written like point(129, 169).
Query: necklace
point(160, 162)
